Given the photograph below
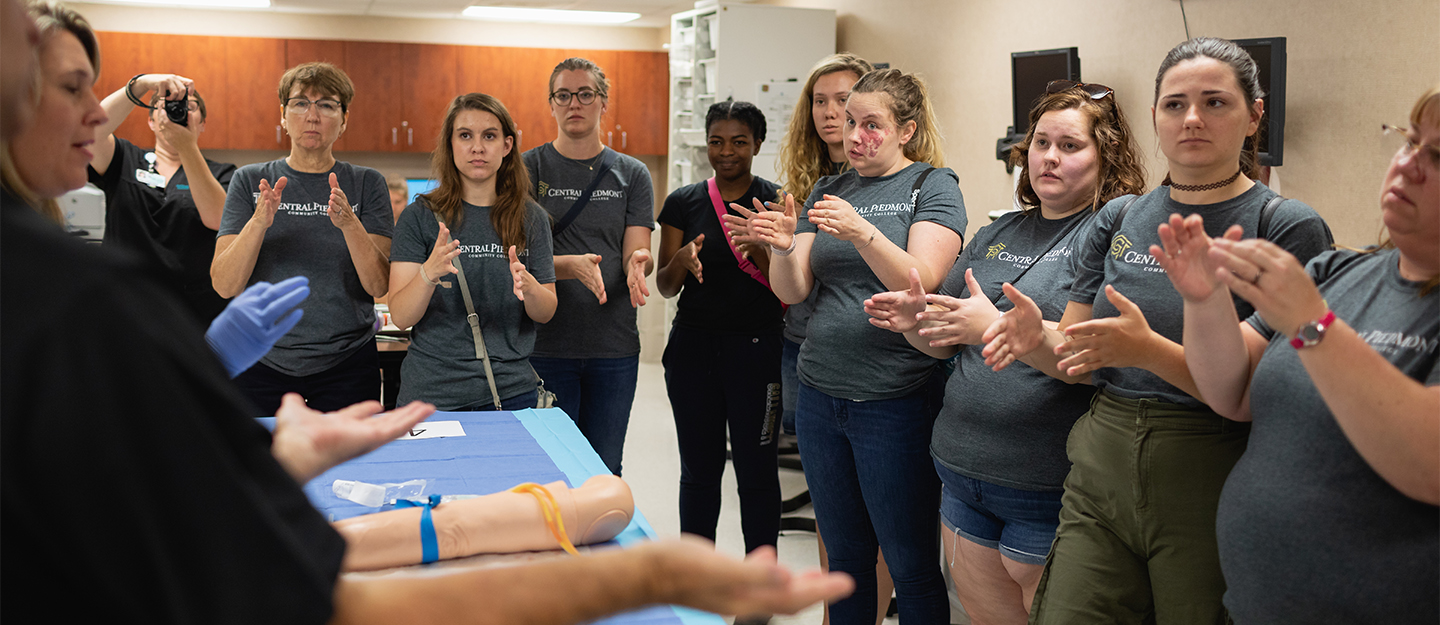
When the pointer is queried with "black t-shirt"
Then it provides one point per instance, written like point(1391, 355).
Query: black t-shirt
point(132, 485)
point(729, 300)
point(162, 225)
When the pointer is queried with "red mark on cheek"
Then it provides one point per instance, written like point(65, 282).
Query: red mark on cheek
point(870, 141)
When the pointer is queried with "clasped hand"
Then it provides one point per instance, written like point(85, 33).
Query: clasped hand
point(769, 224)
point(838, 218)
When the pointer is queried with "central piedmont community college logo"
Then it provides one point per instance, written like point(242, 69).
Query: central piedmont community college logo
point(991, 251)
point(1118, 246)
point(544, 187)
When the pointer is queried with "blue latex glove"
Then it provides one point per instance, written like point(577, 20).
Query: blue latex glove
point(247, 328)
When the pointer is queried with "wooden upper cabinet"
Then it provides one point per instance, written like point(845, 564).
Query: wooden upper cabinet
point(401, 90)
point(252, 107)
point(375, 114)
point(642, 87)
point(430, 82)
point(518, 78)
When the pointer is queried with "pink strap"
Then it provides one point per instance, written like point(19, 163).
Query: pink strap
point(745, 264)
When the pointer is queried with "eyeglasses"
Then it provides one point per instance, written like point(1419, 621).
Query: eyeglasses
point(301, 106)
point(1408, 146)
point(562, 97)
point(1096, 91)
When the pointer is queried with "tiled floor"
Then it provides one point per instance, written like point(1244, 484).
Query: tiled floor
point(652, 468)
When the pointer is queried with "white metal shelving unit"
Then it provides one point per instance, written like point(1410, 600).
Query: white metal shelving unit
point(757, 54)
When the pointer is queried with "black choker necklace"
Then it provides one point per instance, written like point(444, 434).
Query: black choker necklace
point(1204, 187)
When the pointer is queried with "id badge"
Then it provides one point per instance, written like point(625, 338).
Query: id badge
point(150, 178)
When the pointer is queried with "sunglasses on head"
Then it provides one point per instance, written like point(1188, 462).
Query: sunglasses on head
point(1096, 91)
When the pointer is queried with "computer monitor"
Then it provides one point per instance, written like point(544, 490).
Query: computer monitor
point(1031, 71)
point(1269, 55)
point(419, 185)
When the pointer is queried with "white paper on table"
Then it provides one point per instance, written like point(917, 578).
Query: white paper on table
point(433, 429)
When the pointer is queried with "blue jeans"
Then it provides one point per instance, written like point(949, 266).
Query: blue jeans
point(1020, 524)
point(789, 382)
point(597, 393)
point(867, 464)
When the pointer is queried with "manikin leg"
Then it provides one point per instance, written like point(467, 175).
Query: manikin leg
point(505, 522)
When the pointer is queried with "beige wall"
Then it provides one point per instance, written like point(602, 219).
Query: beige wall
point(168, 20)
point(1352, 66)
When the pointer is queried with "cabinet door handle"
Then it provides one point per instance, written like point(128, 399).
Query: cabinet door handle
point(610, 138)
point(394, 136)
point(277, 135)
point(519, 138)
point(410, 136)
point(624, 139)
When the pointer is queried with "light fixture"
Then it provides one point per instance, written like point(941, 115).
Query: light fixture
point(200, 4)
point(550, 16)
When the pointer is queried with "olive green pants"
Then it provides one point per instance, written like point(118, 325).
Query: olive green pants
point(1136, 542)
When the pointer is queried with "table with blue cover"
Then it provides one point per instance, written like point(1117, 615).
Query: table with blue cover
point(499, 450)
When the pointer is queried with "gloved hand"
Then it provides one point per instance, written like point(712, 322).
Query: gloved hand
point(247, 328)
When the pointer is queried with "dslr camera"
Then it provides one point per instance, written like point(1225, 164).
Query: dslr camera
point(179, 110)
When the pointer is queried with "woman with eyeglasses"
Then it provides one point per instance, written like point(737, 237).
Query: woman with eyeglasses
point(480, 219)
point(589, 353)
point(1002, 467)
point(1330, 515)
point(164, 204)
point(865, 410)
point(311, 215)
point(1137, 528)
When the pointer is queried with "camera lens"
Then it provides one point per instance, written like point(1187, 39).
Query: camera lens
point(178, 111)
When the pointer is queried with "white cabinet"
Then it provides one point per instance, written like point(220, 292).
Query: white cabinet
point(752, 53)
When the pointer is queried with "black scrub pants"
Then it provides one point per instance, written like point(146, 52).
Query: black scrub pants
point(715, 379)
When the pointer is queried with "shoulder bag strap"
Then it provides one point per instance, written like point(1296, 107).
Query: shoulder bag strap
point(1063, 233)
point(1265, 212)
point(719, 204)
point(474, 320)
point(579, 205)
point(1120, 218)
point(915, 190)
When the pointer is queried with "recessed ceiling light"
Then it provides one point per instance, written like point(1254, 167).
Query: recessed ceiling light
point(203, 4)
point(552, 16)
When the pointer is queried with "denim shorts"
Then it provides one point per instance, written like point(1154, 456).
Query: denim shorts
point(1019, 523)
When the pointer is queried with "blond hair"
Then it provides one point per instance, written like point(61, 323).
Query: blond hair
point(804, 157)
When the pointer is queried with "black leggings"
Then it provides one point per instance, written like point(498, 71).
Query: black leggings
point(715, 379)
point(351, 381)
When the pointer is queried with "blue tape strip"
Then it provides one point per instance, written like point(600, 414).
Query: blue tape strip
point(429, 546)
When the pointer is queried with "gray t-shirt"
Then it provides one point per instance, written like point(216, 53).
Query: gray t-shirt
point(1308, 532)
point(441, 367)
point(1121, 257)
point(582, 327)
point(983, 431)
point(339, 314)
point(843, 355)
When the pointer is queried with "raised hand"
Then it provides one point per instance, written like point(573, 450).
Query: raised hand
point(1271, 279)
point(959, 321)
point(838, 218)
point(341, 215)
point(268, 203)
point(738, 227)
point(441, 262)
point(1184, 256)
point(1016, 333)
point(308, 443)
point(635, 277)
point(689, 257)
point(252, 322)
point(898, 311)
point(169, 86)
point(692, 573)
point(520, 275)
point(1123, 341)
point(774, 227)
